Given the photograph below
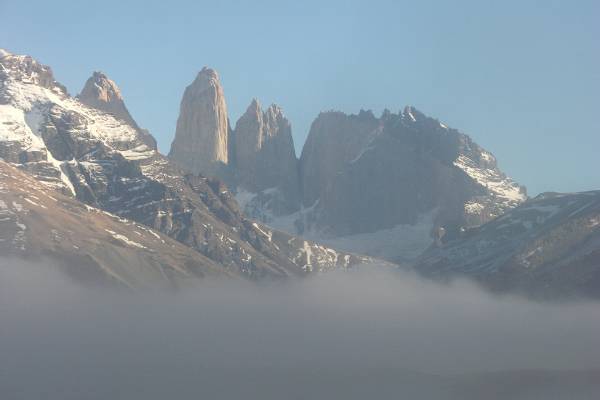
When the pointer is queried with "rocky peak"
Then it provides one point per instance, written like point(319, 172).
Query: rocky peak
point(102, 93)
point(248, 131)
point(254, 107)
point(411, 114)
point(256, 127)
point(27, 70)
point(201, 136)
point(105, 88)
point(207, 78)
point(264, 153)
point(361, 174)
point(274, 118)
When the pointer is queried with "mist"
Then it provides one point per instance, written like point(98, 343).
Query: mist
point(367, 333)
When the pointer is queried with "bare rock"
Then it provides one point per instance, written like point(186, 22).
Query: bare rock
point(102, 93)
point(333, 141)
point(201, 137)
point(265, 158)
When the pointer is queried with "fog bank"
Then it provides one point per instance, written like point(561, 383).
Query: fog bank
point(340, 335)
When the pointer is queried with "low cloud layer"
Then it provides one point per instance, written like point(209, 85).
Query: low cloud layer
point(342, 335)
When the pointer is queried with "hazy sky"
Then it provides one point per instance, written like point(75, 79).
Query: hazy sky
point(521, 77)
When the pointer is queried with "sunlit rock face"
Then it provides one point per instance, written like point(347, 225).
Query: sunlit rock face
point(102, 93)
point(201, 136)
point(264, 157)
point(256, 158)
point(25, 69)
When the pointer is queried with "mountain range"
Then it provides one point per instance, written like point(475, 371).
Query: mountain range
point(382, 186)
point(83, 184)
point(87, 148)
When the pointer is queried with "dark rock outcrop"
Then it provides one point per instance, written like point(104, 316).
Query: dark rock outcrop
point(264, 157)
point(334, 140)
point(365, 174)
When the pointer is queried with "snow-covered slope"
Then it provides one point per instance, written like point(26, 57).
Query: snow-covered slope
point(547, 246)
point(47, 131)
point(92, 246)
point(500, 192)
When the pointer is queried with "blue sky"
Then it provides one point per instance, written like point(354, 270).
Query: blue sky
point(521, 77)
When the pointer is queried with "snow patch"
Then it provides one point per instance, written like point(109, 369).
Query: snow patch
point(59, 165)
point(34, 203)
point(401, 242)
point(267, 234)
point(17, 206)
point(498, 184)
point(141, 152)
point(125, 239)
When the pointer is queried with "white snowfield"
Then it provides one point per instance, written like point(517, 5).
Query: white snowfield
point(402, 242)
point(27, 101)
point(507, 192)
point(125, 239)
point(28, 106)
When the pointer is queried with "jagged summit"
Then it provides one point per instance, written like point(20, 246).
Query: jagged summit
point(102, 93)
point(253, 111)
point(26, 70)
point(208, 73)
point(103, 86)
point(275, 110)
point(358, 174)
point(382, 186)
point(265, 157)
point(35, 109)
point(207, 78)
point(410, 113)
point(265, 120)
point(254, 106)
